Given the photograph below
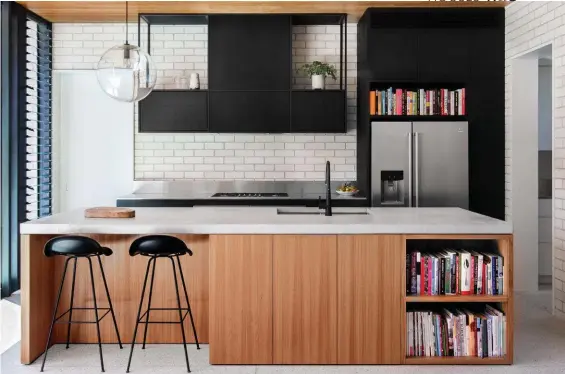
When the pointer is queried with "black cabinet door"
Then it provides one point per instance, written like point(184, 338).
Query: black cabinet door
point(249, 52)
point(174, 111)
point(443, 55)
point(392, 54)
point(255, 111)
point(318, 111)
point(486, 52)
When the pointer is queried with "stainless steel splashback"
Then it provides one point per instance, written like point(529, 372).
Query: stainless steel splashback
point(202, 189)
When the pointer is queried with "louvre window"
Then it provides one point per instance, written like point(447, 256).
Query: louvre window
point(39, 143)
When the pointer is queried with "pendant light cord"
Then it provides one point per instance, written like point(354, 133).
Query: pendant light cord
point(127, 23)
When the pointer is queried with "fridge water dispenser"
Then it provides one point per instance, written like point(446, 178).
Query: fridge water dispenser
point(392, 187)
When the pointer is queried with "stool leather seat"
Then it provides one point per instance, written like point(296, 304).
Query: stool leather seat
point(73, 245)
point(159, 245)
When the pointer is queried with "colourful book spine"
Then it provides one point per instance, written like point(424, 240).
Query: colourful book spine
point(423, 276)
point(398, 101)
point(463, 108)
point(372, 103)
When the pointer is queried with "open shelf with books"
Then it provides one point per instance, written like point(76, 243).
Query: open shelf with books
point(454, 268)
point(421, 101)
point(461, 320)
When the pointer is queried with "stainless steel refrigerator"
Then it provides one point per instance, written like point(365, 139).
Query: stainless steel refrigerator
point(420, 164)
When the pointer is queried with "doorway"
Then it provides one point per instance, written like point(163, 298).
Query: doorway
point(545, 167)
point(531, 131)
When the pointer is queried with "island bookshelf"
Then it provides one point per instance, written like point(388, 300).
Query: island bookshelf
point(504, 302)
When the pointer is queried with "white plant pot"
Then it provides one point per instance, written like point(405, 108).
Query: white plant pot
point(318, 82)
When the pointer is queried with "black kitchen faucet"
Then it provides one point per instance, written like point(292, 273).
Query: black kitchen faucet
point(328, 205)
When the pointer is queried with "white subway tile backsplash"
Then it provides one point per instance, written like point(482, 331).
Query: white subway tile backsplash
point(224, 167)
point(180, 50)
point(284, 153)
point(193, 175)
point(244, 153)
point(235, 145)
point(244, 167)
point(254, 145)
point(264, 152)
point(294, 146)
point(204, 167)
point(205, 152)
point(234, 175)
point(183, 167)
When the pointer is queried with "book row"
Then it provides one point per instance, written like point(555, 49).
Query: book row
point(456, 333)
point(454, 272)
point(416, 102)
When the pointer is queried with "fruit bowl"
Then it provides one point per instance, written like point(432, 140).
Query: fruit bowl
point(346, 189)
point(346, 193)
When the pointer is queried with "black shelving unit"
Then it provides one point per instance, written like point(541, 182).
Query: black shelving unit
point(421, 118)
point(439, 48)
point(250, 76)
point(172, 110)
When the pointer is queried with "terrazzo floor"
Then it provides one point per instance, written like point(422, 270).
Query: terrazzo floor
point(539, 348)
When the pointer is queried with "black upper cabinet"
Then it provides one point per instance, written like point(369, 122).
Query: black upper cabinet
point(174, 111)
point(393, 54)
point(318, 111)
point(249, 52)
point(492, 54)
point(443, 55)
point(251, 111)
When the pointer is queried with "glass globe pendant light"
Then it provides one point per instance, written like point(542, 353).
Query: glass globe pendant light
point(125, 72)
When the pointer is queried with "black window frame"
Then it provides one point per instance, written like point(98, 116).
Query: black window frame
point(13, 128)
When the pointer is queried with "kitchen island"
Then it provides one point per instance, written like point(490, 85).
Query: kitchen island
point(267, 285)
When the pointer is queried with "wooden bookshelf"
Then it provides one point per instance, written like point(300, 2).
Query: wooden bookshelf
point(505, 302)
point(457, 361)
point(458, 299)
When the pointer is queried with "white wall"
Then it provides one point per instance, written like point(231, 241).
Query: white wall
point(93, 143)
point(531, 25)
point(180, 50)
point(544, 107)
point(524, 137)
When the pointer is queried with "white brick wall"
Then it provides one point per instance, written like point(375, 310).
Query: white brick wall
point(180, 50)
point(529, 25)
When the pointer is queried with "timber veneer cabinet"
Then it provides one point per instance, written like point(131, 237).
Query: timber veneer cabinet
point(329, 299)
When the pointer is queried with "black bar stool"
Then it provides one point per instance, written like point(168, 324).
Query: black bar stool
point(75, 247)
point(162, 246)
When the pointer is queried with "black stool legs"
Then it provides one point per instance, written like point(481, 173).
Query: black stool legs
point(53, 319)
point(139, 312)
point(140, 316)
point(187, 303)
point(149, 304)
point(72, 301)
point(109, 301)
point(181, 319)
point(110, 309)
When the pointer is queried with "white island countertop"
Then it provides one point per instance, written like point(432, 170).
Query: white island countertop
point(265, 220)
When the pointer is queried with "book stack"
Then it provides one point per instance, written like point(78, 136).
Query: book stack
point(456, 333)
point(417, 102)
point(454, 272)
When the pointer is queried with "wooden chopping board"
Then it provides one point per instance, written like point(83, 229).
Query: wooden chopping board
point(109, 212)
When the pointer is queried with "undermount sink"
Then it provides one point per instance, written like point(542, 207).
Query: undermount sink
point(317, 212)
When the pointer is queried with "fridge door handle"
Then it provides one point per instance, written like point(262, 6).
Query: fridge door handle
point(416, 169)
point(410, 169)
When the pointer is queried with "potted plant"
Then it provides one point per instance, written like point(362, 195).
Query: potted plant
point(318, 71)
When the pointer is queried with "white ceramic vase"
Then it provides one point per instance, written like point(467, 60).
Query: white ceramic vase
point(194, 81)
point(318, 82)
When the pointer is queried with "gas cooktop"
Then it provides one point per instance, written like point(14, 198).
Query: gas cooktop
point(250, 195)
